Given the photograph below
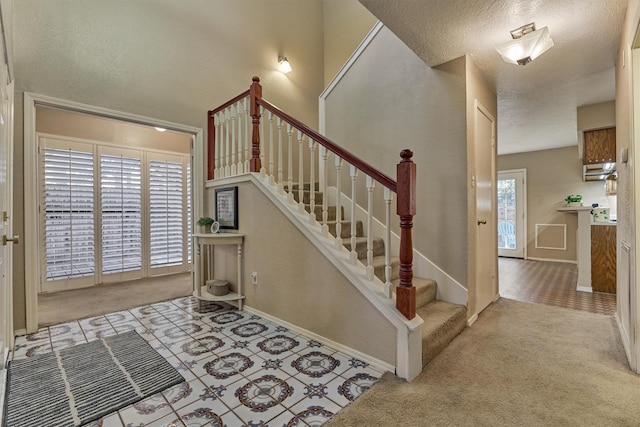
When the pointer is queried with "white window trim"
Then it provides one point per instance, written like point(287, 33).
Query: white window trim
point(31, 215)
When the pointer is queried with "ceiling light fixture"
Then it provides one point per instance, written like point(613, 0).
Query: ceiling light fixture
point(284, 67)
point(527, 44)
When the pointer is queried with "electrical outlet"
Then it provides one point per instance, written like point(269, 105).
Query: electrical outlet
point(254, 277)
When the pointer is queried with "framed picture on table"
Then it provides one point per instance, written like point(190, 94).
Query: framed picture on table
point(227, 208)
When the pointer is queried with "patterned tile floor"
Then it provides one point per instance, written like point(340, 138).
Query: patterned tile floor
point(550, 283)
point(240, 369)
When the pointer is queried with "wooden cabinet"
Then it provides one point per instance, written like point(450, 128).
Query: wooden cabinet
point(600, 146)
point(603, 258)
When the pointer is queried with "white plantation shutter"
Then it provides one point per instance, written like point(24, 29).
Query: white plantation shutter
point(111, 213)
point(166, 213)
point(69, 236)
point(189, 215)
point(121, 198)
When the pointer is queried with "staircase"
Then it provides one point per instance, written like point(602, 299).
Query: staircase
point(443, 321)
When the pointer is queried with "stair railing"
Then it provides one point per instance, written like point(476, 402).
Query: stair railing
point(233, 149)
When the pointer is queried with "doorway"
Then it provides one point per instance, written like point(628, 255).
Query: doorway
point(33, 265)
point(512, 219)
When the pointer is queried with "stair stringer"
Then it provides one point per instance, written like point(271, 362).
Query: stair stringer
point(449, 289)
point(409, 332)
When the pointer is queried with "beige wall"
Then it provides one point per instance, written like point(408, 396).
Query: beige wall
point(84, 126)
point(596, 116)
point(551, 176)
point(300, 286)
point(163, 59)
point(346, 23)
point(390, 100)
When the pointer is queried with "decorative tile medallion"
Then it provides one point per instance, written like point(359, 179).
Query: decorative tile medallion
point(249, 329)
point(312, 416)
point(182, 331)
point(224, 318)
point(278, 344)
point(356, 385)
point(228, 365)
point(315, 364)
point(264, 393)
point(315, 390)
point(206, 416)
point(202, 346)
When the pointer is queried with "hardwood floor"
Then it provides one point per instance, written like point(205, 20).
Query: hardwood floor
point(550, 283)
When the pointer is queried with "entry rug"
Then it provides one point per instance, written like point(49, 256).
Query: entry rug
point(76, 385)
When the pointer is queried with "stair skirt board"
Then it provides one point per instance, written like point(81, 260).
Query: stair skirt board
point(417, 342)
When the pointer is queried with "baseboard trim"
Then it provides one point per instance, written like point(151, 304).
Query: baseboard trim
point(20, 332)
point(585, 289)
point(472, 319)
point(566, 261)
point(340, 347)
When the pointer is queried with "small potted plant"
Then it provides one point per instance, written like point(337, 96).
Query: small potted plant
point(573, 200)
point(205, 223)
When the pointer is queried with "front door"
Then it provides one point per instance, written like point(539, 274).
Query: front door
point(486, 284)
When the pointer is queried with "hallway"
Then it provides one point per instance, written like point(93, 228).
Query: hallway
point(550, 283)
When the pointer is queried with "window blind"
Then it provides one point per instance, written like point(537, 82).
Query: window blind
point(165, 213)
point(69, 213)
point(120, 190)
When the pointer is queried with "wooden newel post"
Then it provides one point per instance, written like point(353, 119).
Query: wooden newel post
point(255, 92)
point(211, 145)
point(405, 292)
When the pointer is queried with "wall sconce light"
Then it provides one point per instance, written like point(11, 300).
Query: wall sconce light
point(284, 67)
point(527, 44)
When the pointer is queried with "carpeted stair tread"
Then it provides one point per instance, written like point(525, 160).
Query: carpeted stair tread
point(443, 321)
point(361, 246)
point(378, 263)
point(331, 212)
point(426, 290)
point(306, 197)
point(305, 186)
point(346, 228)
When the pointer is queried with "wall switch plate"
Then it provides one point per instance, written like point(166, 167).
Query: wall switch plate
point(254, 277)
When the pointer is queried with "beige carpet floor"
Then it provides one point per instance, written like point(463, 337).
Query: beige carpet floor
point(61, 307)
point(520, 364)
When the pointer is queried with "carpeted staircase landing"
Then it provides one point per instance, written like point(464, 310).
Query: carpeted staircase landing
point(443, 321)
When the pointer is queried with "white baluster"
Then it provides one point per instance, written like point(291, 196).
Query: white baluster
point(232, 111)
point(388, 286)
point(370, 183)
point(247, 137)
point(324, 156)
point(300, 173)
point(312, 181)
point(218, 146)
point(290, 163)
point(338, 203)
point(272, 178)
point(227, 156)
point(239, 139)
point(280, 184)
point(353, 172)
point(263, 170)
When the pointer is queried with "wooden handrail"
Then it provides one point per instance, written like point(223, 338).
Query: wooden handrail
point(331, 146)
point(229, 102)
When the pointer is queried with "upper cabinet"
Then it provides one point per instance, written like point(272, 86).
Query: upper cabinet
point(600, 146)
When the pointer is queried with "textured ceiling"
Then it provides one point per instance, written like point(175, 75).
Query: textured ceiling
point(536, 103)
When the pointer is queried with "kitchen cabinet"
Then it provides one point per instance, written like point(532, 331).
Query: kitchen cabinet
point(603, 258)
point(599, 146)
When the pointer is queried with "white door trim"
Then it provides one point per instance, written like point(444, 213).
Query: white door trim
point(31, 205)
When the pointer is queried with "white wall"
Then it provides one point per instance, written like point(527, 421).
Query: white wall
point(390, 100)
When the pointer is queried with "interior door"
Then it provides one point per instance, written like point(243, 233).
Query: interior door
point(511, 213)
point(486, 283)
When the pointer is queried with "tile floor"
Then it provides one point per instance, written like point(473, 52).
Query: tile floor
point(550, 283)
point(240, 369)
